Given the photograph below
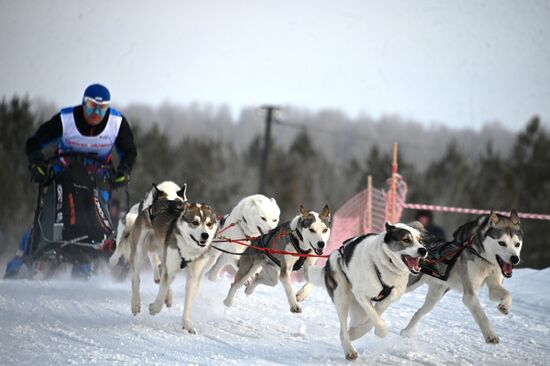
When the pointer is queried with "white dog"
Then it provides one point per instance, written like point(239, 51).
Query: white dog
point(366, 269)
point(253, 216)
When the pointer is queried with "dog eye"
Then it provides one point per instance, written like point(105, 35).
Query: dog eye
point(502, 244)
point(325, 230)
point(274, 220)
point(263, 218)
point(195, 223)
point(406, 240)
point(517, 245)
point(313, 231)
point(209, 224)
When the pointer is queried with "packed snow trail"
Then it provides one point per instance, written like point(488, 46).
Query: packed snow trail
point(61, 322)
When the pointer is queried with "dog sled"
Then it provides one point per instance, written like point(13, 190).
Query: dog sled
point(73, 222)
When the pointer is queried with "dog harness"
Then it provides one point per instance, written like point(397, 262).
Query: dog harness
point(442, 258)
point(282, 234)
point(386, 290)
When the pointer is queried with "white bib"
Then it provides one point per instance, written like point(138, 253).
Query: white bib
point(102, 144)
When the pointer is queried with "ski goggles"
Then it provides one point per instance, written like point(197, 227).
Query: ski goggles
point(98, 107)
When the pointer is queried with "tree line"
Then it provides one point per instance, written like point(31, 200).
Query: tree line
point(302, 172)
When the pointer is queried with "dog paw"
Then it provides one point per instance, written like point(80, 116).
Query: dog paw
point(503, 308)
point(351, 355)
point(154, 309)
point(295, 309)
point(381, 331)
point(300, 296)
point(249, 289)
point(228, 302)
point(492, 339)
point(407, 332)
point(136, 308)
point(188, 326)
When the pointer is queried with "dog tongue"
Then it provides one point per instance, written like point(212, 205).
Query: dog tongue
point(507, 268)
point(413, 263)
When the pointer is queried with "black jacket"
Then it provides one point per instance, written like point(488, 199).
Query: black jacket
point(52, 130)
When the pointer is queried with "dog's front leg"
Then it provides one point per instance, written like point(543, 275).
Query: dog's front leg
point(136, 239)
point(194, 278)
point(471, 300)
point(434, 295)
point(359, 330)
point(155, 264)
point(308, 287)
point(379, 325)
point(169, 267)
point(341, 301)
point(286, 281)
point(497, 292)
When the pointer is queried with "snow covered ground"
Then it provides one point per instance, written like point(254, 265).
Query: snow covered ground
point(66, 322)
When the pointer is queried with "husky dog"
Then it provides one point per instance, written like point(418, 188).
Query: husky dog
point(166, 190)
point(185, 237)
point(485, 250)
point(307, 232)
point(369, 268)
point(251, 217)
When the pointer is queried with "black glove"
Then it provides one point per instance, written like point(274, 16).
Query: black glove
point(121, 177)
point(38, 167)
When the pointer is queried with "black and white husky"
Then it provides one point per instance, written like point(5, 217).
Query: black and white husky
point(185, 236)
point(306, 233)
point(372, 268)
point(483, 251)
point(166, 190)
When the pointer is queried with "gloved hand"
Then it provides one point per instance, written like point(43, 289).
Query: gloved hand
point(38, 167)
point(121, 178)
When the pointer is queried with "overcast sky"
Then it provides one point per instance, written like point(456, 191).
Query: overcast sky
point(458, 63)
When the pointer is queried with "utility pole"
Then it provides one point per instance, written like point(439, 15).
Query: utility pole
point(269, 112)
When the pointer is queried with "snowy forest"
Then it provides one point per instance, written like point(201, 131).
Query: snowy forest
point(315, 158)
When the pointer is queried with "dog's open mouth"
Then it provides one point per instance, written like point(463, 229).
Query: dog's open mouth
point(505, 267)
point(412, 263)
point(200, 243)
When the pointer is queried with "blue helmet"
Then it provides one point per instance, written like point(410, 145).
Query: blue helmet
point(98, 93)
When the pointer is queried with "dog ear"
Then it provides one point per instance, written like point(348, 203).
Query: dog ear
point(494, 217)
point(389, 226)
point(273, 200)
point(325, 212)
point(303, 211)
point(156, 193)
point(182, 192)
point(514, 217)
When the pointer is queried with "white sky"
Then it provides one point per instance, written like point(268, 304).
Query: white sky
point(458, 63)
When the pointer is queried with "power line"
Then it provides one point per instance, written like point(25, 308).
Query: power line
point(332, 132)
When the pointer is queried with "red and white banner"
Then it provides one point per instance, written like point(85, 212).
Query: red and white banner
point(474, 211)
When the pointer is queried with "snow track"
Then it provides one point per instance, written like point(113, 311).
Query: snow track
point(67, 322)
